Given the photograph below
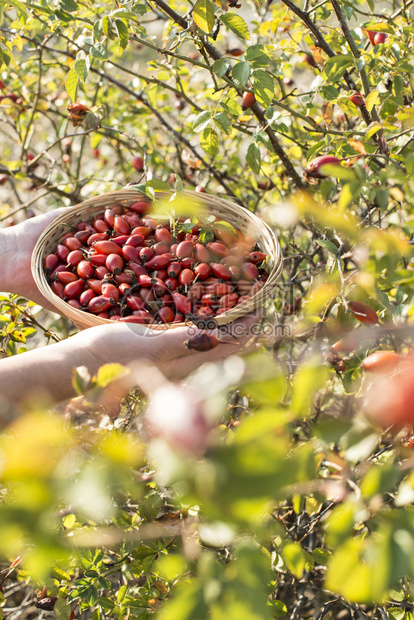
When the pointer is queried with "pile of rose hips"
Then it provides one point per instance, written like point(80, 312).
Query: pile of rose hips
point(127, 266)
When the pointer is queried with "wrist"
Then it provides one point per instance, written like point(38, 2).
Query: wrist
point(93, 347)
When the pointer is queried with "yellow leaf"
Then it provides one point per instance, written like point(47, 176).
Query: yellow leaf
point(203, 15)
point(327, 113)
point(357, 145)
point(319, 59)
point(371, 100)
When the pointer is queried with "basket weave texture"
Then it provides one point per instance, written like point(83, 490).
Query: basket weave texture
point(88, 210)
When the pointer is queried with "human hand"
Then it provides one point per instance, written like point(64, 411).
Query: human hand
point(48, 370)
point(18, 243)
point(125, 343)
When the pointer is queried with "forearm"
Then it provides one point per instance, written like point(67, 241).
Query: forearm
point(44, 373)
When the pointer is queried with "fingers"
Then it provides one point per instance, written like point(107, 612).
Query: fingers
point(134, 342)
point(181, 367)
point(170, 343)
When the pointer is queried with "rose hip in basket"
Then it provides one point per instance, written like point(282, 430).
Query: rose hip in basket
point(124, 265)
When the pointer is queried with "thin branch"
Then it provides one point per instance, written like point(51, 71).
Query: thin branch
point(363, 74)
point(323, 44)
point(154, 111)
point(256, 109)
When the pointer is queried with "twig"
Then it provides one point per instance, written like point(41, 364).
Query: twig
point(362, 72)
point(256, 109)
point(304, 16)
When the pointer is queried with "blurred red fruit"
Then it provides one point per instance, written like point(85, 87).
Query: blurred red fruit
point(235, 51)
point(309, 59)
point(313, 169)
point(390, 399)
point(371, 36)
point(248, 100)
point(380, 37)
point(357, 99)
point(381, 362)
point(138, 163)
point(176, 415)
point(363, 312)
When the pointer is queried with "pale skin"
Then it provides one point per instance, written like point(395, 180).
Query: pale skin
point(49, 369)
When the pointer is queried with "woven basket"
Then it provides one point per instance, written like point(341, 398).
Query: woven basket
point(88, 210)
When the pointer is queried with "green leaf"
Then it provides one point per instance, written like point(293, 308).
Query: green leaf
point(209, 141)
point(179, 188)
point(186, 604)
point(327, 245)
point(409, 163)
point(257, 56)
point(264, 382)
point(141, 9)
point(92, 596)
point(159, 185)
point(253, 157)
point(107, 26)
point(220, 66)
point(201, 121)
point(371, 100)
point(338, 171)
point(123, 34)
point(240, 73)
point(203, 15)
point(19, 6)
point(321, 556)
point(294, 558)
point(206, 234)
point(329, 92)
point(223, 122)
point(81, 67)
point(17, 336)
point(123, 14)
point(97, 30)
point(335, 67)
point(372, 129)
point(380, 27)
point(106, 603)
point(264, 87)
point(231, 106)
point(99, 51)
point(58, 573)
point(347, 106)
point(108, 373)
point(236, 24)
point(62, 609)
point(360, 568)
point(64, 16)
point(71, 84)
point(68, 5)
point(279, 609)
point(309, 378)
point(226, 226)
point(80, 379)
